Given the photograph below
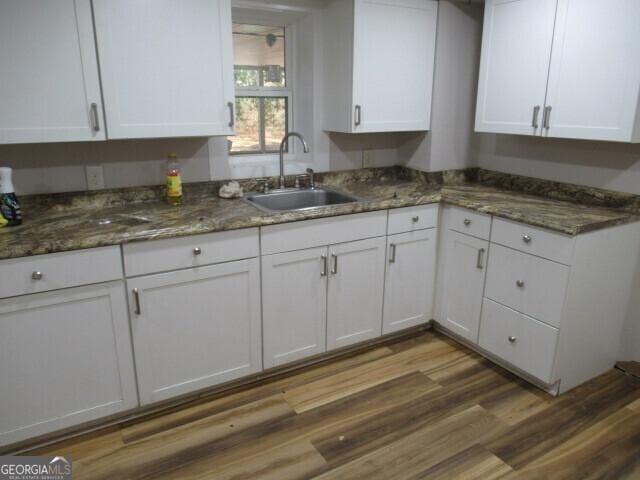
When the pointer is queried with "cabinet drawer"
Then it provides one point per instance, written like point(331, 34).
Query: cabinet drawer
point(472, 223)
point(543, 243)
point(529, 284)
point(40, 273)
point(520, 340)
point(175, 253)
point(287, 237)
point(413, 218)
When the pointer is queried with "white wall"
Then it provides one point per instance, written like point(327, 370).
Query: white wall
point(60, 167)
point(449, 144)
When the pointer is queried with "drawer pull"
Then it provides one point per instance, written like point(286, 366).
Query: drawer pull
point(323, 259)
point(467, 222)
point(526, 238)
point(415, 219)
point(37, 275)
point(197, 251)
point(520, 283)
point(136, 298)
point(334, 269)
point(512, 339)
point(480, 261)
point(392, 253)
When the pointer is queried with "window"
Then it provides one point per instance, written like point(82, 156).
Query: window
point(263, 97)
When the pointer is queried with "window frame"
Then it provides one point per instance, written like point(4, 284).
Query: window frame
point(271, 92)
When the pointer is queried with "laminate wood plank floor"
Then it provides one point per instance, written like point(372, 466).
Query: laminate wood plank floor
point(420, 408)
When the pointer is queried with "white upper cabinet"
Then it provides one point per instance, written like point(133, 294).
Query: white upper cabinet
point(379, 70)
point(594, 79)
point(516, 47)
point(167, 67)
point(561, 68)
point(49, 85)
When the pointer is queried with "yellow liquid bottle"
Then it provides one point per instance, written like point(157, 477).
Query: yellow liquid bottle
point(174, 181)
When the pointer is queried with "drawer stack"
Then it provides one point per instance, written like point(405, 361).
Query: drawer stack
point(525, 291)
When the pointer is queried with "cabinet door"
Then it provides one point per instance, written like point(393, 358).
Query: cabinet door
point(594, 79)
point(514, 66)
point(409, 279)
point(394, 49)
point(65, 359)
point(466, 260)
point(49, 85)
point(294, 291)
point(167, 67)
point(195, 328)
point(356, 283)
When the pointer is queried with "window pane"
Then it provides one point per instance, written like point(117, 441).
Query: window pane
point(246, 77)
point(275, 122)
point(260, 50)
point(247, 137)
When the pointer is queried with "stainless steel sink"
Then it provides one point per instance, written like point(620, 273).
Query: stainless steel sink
point(293, 199)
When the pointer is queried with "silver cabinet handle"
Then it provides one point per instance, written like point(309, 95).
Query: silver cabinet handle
point(534, 120)
point(197, 251)
point(415, 219)
point(467, 222)
point(392, 253)
point(512, 339)
point(357, 116)
point(546, 118)
point(323, 259)
point(95, 119)
point(37, 275)
point(232, 120)
point(520, 283)
point(334, 268)
point(526, 238)
point(136, 298)
point(480, 261)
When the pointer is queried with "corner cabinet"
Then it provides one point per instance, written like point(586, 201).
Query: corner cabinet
point(379, 75)
point(49, 85)
point(166, 67)
point(545, 72)
point(463, 283)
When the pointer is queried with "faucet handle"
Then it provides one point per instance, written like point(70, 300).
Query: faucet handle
point(300, 177)
point(264, 184)
point(312, 180)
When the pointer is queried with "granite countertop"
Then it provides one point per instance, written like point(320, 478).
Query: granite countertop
point(62, 222)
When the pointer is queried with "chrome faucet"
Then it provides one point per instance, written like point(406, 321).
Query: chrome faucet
point(282, 144)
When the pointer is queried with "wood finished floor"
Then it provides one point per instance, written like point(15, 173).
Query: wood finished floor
point(419, 408)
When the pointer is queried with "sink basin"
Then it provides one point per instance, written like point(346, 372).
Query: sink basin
point(291, 199)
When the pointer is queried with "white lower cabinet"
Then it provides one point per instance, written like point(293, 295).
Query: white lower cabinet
point(356, 283)
point(409, 279)
point(195, 328)
point(65, 359)
point(294, 293)
point(464, 274)
point(321, 298)
point(526, 343)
